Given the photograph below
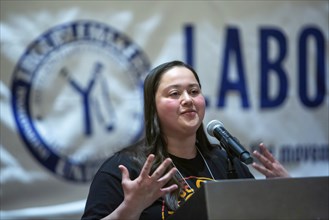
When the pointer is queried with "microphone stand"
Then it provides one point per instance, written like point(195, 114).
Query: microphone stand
point(231, 172)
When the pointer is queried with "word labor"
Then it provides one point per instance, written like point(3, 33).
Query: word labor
point(310, 70)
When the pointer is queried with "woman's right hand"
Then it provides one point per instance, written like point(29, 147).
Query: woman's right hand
point(269, 166)
point(141, 192)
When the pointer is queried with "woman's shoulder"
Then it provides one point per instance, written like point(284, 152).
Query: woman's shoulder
point(129, 156)
point(118, 158)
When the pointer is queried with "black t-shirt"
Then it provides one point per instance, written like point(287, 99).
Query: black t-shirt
point(106, 193)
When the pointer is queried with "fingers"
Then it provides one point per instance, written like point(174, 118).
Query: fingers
point(266, 152)
point(164, 179)
point(269, 167)
point(261, 169)
point(161, 169)
point(169, 189)
point(147, 166)
point(267, 163)
point(158, 174)
point(124, 173)
point(266, 158)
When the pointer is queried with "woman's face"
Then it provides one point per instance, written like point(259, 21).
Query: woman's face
point(179, 102)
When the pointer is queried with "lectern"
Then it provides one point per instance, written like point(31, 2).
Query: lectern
point(279, 198)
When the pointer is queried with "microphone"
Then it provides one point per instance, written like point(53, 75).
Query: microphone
point(216, 129)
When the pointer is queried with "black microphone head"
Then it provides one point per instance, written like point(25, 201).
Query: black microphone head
point(212, 125)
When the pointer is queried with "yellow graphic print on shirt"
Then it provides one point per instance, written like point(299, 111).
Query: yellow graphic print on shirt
point(186, 192)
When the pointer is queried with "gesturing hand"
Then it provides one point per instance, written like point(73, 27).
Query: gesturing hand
point(270, 166)
point(146, 188)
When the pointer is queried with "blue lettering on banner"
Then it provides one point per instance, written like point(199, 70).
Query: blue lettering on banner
point(272, 67)
point(296, 153)
point(189, 33)
point(306, 35)
point(269, 66)
point(304, 153)
point(233, 48)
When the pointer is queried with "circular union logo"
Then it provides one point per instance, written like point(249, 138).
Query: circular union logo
point(77, 97)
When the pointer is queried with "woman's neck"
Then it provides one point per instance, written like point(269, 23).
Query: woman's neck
point(184, 148)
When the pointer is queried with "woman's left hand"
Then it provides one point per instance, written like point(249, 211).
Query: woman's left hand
point(270, 166)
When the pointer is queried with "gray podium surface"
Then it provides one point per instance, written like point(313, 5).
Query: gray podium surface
point(280, 198)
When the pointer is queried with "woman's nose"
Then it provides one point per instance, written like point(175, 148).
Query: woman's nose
point(186, 98)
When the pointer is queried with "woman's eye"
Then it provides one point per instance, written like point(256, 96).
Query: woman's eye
point(195, 91)
point(174, 94)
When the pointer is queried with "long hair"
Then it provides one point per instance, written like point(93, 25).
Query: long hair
point(155, 141)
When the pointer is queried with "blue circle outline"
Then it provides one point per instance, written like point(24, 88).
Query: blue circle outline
point(18, 84)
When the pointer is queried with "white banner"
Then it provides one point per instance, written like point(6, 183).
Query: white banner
point(71, 86)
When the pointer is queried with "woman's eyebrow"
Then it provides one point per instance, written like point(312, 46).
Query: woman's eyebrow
point(180, 85)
